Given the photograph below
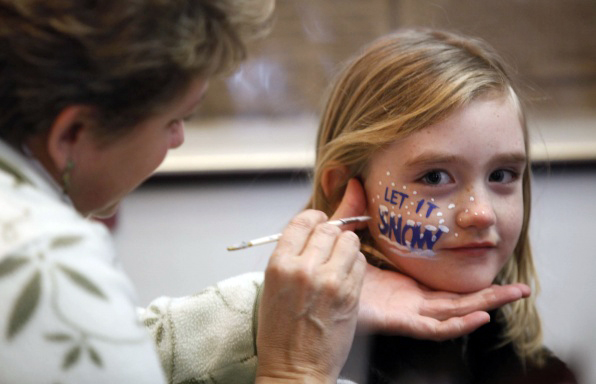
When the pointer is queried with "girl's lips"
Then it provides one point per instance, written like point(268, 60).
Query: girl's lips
point(472, 248)
point(483, 244)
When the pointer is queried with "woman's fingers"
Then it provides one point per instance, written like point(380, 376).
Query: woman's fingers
point(458, 305)
point(321, 243)
point(394, 303)
point(346, 253)
point(296, 235)
point(432, 329)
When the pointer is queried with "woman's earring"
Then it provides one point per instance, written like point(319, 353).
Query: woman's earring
point(66, 176)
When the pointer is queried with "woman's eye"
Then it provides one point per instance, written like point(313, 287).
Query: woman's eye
point(174, 123)
point(502, 176)
point(436, 177)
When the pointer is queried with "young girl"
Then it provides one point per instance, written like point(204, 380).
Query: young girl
point(431, 125)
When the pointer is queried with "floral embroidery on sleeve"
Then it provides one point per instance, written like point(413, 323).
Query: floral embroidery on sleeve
point(78, 341)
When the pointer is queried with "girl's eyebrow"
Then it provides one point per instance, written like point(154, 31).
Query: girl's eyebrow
point(428, 158)
point(433, 158)
point(510, 158)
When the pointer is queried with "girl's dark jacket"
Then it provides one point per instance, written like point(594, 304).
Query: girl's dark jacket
point(473, 359)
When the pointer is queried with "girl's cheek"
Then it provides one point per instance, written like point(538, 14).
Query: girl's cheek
point(407, 223)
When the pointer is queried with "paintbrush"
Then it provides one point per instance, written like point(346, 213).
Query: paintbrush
point(277, 236)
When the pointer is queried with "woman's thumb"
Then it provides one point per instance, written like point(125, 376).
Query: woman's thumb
point(353, 203)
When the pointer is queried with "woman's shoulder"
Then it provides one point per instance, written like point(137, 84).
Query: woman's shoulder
point(66, 306)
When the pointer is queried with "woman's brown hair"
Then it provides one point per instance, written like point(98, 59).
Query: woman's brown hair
point(125, 58)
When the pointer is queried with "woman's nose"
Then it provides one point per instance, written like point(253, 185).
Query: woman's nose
point(177, 135)
point(477, 212)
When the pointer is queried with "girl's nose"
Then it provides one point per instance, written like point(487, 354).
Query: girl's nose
point(477, 212)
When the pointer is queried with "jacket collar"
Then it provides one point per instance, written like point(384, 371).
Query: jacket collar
point(26, 169)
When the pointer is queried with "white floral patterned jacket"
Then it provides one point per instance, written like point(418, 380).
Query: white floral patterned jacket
point(67, 310)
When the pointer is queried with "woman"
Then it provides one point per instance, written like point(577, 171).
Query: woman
point(94, 95)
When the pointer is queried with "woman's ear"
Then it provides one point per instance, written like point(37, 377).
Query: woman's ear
point(70, 131)
point(332, 178)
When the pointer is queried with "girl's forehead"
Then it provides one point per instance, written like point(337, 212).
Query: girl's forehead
point(477, 131)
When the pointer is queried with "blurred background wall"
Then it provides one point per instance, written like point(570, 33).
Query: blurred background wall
point(172, 233)
point(549, 43)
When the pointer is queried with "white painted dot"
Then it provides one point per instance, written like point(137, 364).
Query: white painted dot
point(408, 213)
point(380, 183)
point(451, 206)
point(439, 213)
point(441, 221)
point(379, 197)
point(405, 187)
point(388, 173)
point(432, 199)
point(467, 210)
point(456, 234)
point(415, 193)
point(411, 203)
point(392, 184)
point(475, 213)
point(471, 198)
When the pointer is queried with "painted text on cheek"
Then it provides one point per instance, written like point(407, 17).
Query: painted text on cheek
point(394, 228)
point(394, 196)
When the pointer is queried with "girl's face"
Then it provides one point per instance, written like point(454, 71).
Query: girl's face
point(446, 201)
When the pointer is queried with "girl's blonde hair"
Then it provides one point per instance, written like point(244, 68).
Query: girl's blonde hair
point(403, 83)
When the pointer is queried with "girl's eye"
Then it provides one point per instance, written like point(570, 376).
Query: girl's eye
point(502, 176)
point(436, 177)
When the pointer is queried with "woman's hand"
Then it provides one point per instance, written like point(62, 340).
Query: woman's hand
point(396, 304)
point(309, 306)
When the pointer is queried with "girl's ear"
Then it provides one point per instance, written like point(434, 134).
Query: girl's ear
point(345, 194)
point(69, 133)
point(332, 178)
